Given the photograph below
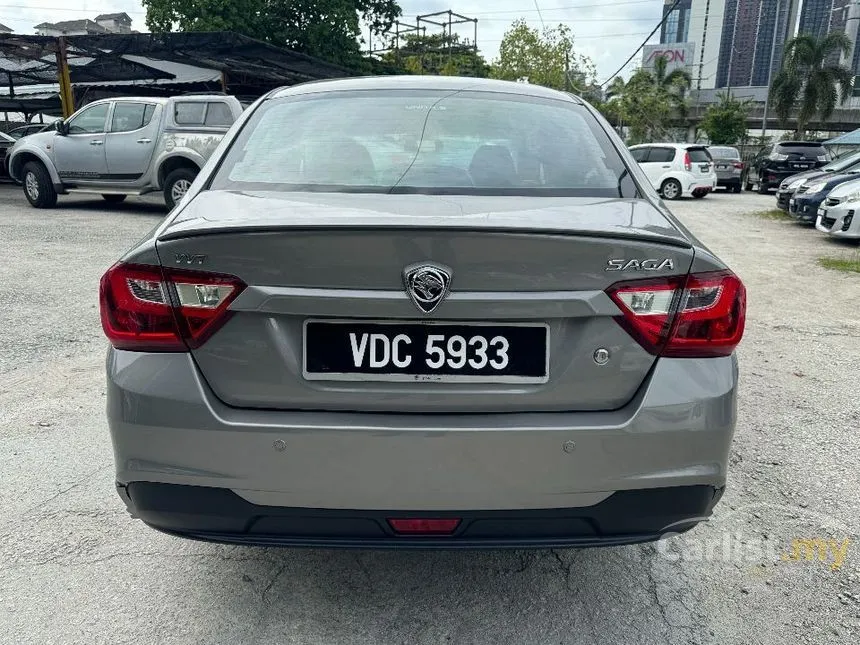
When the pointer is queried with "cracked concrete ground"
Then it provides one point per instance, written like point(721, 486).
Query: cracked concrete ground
point(76, 569)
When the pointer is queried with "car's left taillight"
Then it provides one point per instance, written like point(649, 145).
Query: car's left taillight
point(688, 163)
point(147, 308)
point(695, 316)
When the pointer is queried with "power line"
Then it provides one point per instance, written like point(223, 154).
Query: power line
point(644, 42)
point(540, 15)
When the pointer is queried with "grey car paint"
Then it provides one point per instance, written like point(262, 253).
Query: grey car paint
point(245, 420)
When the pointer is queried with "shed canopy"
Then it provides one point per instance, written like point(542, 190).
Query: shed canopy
point(848, 139)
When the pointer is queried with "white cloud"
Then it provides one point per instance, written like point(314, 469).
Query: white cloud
point(605, 30)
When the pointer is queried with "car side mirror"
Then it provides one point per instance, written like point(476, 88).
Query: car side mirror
point(61, 127)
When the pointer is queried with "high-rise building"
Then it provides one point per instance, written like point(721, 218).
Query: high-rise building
point(706, 24)
point(677, 25)
point(748, 54)
point(820, 17)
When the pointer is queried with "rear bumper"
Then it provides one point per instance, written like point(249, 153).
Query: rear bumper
point(167, 427)
point(219, 515)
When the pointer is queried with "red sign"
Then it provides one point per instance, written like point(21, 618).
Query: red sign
point(671, 55)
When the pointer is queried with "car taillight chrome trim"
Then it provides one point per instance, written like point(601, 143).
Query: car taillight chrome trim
point(706, 316)
point(150, 308)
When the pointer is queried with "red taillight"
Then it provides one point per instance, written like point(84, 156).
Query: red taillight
point(739, 165)
point(145, 308)
point(426, 526)
point(688, 164)
point(695, 316)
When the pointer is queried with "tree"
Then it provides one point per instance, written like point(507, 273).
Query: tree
point(546, 58)
point(438, 55)
point(647, 102)
point(726, 122)
point(810, 79)
point(328, 29)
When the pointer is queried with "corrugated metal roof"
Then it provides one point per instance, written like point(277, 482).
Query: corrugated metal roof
point(847, 139)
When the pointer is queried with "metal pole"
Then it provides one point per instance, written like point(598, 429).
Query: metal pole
point(770, 73)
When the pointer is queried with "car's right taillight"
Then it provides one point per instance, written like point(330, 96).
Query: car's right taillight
point(700, 315)
point(688, 163)
point(145, 308)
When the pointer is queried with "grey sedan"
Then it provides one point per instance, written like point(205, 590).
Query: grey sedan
point(346, 335)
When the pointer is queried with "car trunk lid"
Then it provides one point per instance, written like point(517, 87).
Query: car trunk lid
point(326, 295)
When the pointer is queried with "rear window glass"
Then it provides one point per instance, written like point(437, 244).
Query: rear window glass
point(661, 155)
point(422, 141)
point(801, 148)
point(698, 155)
point(219, 114)
point(724, 153)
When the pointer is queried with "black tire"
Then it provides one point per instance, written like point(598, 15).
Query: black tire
point(671, 189)
point(173, 185)
point(747, 185)
point(114, 199)
point(38, 187)
point(762, 187)
point(736, 188)
point(699, 195)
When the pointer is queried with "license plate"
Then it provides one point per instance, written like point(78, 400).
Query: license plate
point(358, 350)
point(800, 166)
point(722, 167)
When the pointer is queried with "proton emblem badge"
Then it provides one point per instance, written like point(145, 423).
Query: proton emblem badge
point(427, 285)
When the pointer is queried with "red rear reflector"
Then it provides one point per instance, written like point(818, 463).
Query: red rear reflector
point(696, 316)
point(441, 526)
point(145, 308)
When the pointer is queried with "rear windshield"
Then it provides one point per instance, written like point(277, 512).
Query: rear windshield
point(698, 154)
point(422, 141)
point(801, 149)
point(724, 153)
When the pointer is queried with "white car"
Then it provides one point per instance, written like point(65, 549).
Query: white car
point(677, 169)
point(836, 215)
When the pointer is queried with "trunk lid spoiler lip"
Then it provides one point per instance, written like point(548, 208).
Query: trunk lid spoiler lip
point(626, 218)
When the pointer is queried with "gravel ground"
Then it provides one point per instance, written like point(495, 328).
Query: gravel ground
point(76, 569)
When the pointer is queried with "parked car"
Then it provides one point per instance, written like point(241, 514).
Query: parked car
point(729, 167)
point(124, 146)
point(804, 205)
point(30, 128)
point(6, 142)
point(778, 161)
point(836, 215)
point(287, 367)
point(677, 169)
point(844, 163)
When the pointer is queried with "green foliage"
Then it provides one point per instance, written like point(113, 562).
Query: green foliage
point(438, 55)
point(647, 102)
point(847, 264)
point(546, 58)
point(810, 80)
point(726, 122)
point(328, 29)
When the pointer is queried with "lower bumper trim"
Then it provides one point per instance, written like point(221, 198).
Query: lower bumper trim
point(219, 515)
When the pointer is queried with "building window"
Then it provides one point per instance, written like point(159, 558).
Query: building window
point(672, 27)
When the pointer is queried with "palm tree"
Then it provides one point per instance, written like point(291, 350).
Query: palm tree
point(810, 76)
point(650, 97)
point(674, 85)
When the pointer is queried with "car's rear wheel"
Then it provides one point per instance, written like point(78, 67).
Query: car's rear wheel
point(762, 187)
point(671, 189)
point(177, 184)
point(747, 184)
point(38, 188)
point(114, 199)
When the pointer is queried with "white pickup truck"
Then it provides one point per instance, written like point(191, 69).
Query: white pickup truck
point(123, 146)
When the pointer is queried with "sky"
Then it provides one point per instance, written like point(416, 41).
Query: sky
point(605, 30)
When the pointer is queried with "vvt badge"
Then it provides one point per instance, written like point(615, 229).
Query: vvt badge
point(427, 285)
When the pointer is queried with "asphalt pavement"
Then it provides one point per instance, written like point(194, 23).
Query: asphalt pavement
point(779, 563)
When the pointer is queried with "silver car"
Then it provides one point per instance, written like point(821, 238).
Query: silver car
point(345, 335)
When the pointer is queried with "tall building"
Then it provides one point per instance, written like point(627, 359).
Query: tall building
point(748, 54)
point(820, 17)
point(676, 28)
point(706, 25)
